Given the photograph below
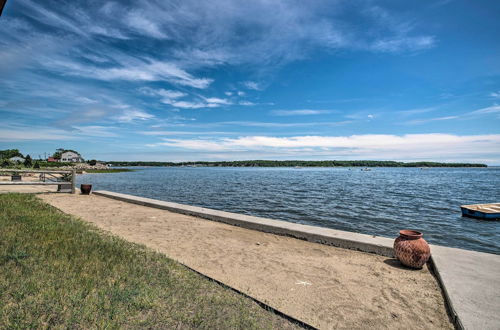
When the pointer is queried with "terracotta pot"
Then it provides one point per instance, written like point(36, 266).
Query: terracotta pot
point(411, 249)
point(85, 189)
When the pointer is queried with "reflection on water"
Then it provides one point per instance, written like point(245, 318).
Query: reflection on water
point(377, 202)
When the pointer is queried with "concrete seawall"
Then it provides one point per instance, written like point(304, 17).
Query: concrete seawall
point(470, 279)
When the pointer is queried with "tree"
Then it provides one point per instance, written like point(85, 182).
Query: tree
point(37, 165)
point(58, 153)
point(92, 162)
point(27, 161)
point(9, 153)
point(6, 163)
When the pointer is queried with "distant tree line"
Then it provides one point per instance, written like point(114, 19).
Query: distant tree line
point(299, 163)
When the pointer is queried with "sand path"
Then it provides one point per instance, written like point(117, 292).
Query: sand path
point(327, 287)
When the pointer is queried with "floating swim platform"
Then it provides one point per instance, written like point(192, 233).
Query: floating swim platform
point(482, 211)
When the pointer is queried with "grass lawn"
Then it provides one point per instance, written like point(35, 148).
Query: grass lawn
point(57, 271)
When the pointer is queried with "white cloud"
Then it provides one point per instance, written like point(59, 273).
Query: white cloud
point(495, 109)
point(410, 146)
point(140, 23)
point(416, 111)
point(252, 85)
point(85, 100)
point(131, 70)
point(97, 131)
point(302, 112)
point(403, 44)
point(246, 103)
point(185, 104)
point(15, 133)
point(215, 100)
point(170, 94)
point(210, 102)
point(495, 95)
point(487, 110)
point(133, 115)
point(428, 120)
point(34, 134)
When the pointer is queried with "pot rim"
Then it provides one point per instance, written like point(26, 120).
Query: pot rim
point(411, 234)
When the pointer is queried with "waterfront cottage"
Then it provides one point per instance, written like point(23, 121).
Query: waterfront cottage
point(17, 159)
point(72, 157)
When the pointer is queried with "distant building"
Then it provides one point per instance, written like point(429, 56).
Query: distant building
point(17, 159)
point(51, 159)
point(71, 157)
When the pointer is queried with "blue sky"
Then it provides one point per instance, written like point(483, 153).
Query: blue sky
point(224, 80)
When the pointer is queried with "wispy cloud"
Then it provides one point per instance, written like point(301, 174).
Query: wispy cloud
point(134, 70)
point(492, 110)
point(131, 115)
point(416, 111)
point(139, 22)
point(400, 44)
point(216, 100)
point(495, 95)
point(197, 104)
point(253, 85)
point(20, 133)
point(169, 94)
point(428, 120)
point(302, 112)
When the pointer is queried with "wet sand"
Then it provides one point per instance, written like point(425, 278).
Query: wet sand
point(324, 286)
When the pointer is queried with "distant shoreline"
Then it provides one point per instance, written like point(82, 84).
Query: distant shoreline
point(295, 163)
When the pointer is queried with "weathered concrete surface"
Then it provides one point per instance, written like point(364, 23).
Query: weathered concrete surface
point(344, 239)
point(470, 279)
point(471, 282)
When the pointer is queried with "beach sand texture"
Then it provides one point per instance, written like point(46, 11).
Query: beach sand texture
point(324, 286)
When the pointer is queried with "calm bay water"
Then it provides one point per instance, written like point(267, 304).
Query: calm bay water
point(377, 202)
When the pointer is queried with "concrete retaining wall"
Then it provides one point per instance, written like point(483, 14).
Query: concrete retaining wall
point(354, 241)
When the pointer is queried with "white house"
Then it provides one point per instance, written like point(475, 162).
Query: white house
point(70, 156)
point(17, 159)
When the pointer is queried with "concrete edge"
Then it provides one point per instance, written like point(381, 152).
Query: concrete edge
point(455, 319)
point(353, 241)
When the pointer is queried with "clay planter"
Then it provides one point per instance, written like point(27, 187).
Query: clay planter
point(411, 249)
point(85, 189)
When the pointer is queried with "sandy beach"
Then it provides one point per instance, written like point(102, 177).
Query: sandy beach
point(324, 286)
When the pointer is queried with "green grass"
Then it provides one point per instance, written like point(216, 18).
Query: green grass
point(110, 170)
point(57, 271)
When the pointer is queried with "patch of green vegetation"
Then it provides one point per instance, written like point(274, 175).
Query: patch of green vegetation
point(57, 271)
point(109, 170)
point(300, 163)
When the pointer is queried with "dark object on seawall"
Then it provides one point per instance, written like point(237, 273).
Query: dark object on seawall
point(482, 211)
point(411, 249)
point(86, 189)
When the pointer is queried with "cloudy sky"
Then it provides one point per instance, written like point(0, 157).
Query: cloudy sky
point(265, 79)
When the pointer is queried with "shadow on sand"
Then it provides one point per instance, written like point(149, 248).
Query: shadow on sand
point(396, 264)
